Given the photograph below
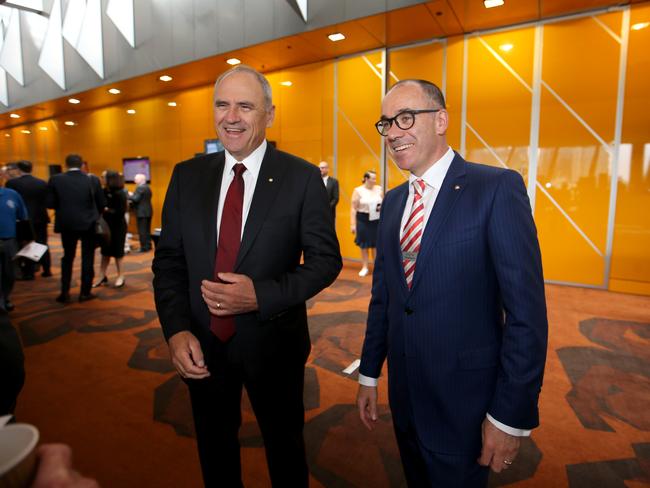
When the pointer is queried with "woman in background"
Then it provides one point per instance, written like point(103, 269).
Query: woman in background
point(116, 198)
point(364, 218)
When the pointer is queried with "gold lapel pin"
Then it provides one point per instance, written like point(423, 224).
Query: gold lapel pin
point(270, 180)
point(457, 187)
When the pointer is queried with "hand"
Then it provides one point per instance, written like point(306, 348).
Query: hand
point(498, 447)
point(187, 356)
point(353, 229)
point(234, 296)
point(55, 469)
point(367, 403)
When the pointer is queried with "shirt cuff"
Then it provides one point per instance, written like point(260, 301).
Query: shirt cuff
point(367, 381)
point(503, 427)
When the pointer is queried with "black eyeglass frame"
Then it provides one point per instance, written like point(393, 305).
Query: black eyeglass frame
point(394, 119)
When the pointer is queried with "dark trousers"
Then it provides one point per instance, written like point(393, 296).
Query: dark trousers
point(69, 239)
point(276, 395)
point(8, 249)
point(28, 266)
point(144, 233)
point(12, 369)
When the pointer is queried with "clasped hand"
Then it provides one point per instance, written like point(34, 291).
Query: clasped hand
point(234, 295)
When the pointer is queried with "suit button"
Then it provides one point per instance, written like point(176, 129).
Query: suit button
point(408, 311)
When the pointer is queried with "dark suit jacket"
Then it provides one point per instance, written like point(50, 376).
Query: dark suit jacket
point(78, 199)
point(289, 216)
point(332, 193)
point(141, 199)
point(470, 336)
point(34, 193)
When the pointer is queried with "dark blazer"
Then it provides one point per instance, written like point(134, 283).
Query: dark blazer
point(332, 188)
point(289, 216)
point(470, 335)
point(141, 200)
point(78, 199)
point(34, 193)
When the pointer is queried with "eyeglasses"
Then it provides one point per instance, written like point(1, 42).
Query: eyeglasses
point(404, 120)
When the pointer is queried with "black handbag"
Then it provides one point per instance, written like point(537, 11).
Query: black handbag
point(102, 232)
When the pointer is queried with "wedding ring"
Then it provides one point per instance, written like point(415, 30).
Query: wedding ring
point(505, 461)
point(219, 305)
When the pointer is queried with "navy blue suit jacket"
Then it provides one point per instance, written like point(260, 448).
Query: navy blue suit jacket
point(470, 336)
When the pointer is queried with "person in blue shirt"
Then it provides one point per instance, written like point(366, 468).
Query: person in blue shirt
point(12, 209)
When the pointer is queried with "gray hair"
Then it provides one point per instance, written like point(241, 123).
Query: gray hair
point(244, 68)
point(430, 90)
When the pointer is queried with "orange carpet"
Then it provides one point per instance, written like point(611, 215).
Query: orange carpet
point(99, 379)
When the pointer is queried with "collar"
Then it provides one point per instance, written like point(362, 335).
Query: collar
point(435, 175)
point(253, 162)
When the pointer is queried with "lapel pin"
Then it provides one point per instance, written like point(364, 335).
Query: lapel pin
point(270, 180)
point(457, 187)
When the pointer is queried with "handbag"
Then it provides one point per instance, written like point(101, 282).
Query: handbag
point(102, 232)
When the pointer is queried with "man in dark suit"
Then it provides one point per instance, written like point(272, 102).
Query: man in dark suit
point(12, 365)
point(141, 201)
point(34, 193)
point(457, 305)
point(261, 210)
point(331, 185)
point(78, 200)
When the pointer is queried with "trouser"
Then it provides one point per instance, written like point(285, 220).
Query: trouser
point(144, 233)
point(69, 239)
point(8, 248)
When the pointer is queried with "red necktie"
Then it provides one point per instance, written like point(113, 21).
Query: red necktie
point(228, 246)
point(410, 242)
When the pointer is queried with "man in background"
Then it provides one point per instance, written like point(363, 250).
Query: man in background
point(78, 199)
point(34, 193)
point(457, 306)
point(331, 185)
point(141, 201)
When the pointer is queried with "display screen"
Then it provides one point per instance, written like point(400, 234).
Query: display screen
point(213, 146)
point(133, 166)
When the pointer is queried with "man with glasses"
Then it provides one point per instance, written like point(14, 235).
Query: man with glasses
point(457, 305)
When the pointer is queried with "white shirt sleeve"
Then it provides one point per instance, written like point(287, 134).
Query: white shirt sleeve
point(367, 381)
point(500, 426)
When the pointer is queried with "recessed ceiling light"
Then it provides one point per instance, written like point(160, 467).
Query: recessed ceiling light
point(286, 83)
point(640, 25)
point(7, 135)
point(69, 122)
point(73, 101)
point(337, 36)
point(14, 116)
point(165, 78)
point(171, 104)
point(233, 61)
point(42, 128)
point(25, 131)
point(492, 3)
point(506, 47)
point(130, 111)
point(114, 91)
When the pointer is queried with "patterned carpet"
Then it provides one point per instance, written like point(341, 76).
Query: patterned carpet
point(99, 379)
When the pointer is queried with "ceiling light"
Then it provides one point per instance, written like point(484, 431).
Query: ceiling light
point(640, 25)
point(165, 78)
point(69, 122)
point(506, 48)
point(25, 131)
point(14, 116)
point(548, 185)
point(73, 101)
point(492, 3)
point(171, 104)
point(114, 91)
point(130, 111)
point(337, 36)
point(7, 135)
point(233, 61)
point(286, 83)
point(42, 128)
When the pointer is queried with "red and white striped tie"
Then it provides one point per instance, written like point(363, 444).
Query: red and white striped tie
point(410, 242)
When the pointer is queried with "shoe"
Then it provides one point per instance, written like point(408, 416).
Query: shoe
point(103, 281)
point(363, 272)
point(119, 282)
point(63, 298)
point(46, 274)
point(86, 297)
point(9, 306)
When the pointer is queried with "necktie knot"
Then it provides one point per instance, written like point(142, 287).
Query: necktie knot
point(239, 169)
point(419, 186)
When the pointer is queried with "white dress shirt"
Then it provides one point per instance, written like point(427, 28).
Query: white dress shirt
point(253, 164)
point(433, 178)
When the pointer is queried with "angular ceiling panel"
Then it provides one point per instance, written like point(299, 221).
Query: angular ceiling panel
point(51, 57)
point(11, 58)
point(74, 18)
point(90, 44)
point(121, 13)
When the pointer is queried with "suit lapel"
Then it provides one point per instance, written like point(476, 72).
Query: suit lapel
point(452, 187)
point(267, 187)
point(211, 188)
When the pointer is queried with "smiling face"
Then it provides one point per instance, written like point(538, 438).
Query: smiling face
point(418, 148)
point(241, 115)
